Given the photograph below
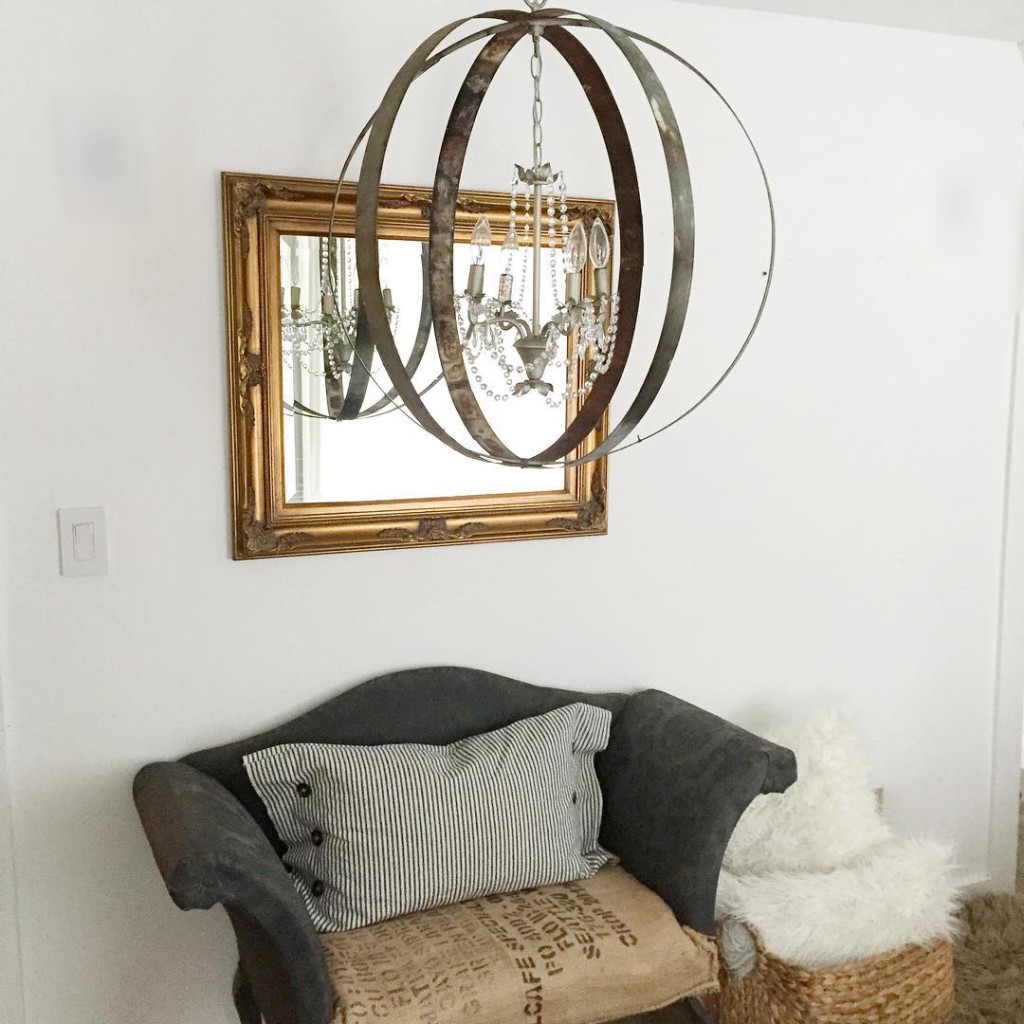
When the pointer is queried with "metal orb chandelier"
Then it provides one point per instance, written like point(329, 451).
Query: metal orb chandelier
point(469, 324)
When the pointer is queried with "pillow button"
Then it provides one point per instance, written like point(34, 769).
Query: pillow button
point(575, 796)
point(317, 837)
point(317, 888)
point(303, 789)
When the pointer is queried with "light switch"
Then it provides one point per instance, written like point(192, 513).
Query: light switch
point(83, 536)
point(83, 541)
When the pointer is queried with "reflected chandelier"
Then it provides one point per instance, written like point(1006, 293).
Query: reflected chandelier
point(597, 323)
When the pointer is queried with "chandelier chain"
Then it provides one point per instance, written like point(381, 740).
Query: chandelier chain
point(536, 70)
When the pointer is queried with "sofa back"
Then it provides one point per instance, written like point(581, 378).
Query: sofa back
point(420, 705)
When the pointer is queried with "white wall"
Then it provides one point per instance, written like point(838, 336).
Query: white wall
point(826, 531)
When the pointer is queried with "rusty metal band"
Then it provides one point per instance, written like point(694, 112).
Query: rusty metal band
point(630, 237)
point(442, 237)
point(442, 228)
point(367, 260)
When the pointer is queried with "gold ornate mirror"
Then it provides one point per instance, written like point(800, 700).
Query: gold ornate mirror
point(305, 481)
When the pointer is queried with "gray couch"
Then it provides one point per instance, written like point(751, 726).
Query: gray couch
point(675, 780)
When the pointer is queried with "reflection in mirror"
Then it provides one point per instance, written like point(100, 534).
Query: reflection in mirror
point(332, 460)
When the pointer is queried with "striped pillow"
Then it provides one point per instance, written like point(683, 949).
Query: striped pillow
point(376, 832)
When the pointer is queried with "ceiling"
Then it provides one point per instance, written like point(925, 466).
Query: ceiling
point(993, 19)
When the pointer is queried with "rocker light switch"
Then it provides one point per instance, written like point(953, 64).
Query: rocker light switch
point(83, 541)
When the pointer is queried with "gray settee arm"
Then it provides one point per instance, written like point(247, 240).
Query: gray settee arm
point(675, 781)
point(209, 850)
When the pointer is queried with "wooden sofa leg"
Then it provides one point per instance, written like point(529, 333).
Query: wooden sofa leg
point(245, 1001)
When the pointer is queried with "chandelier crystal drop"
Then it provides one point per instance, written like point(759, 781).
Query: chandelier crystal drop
point(585, 317)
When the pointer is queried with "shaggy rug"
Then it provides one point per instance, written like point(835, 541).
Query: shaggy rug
point(990, 955)
point(990, 961)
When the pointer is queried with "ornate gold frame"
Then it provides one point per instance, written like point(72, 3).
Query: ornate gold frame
point(257, 210)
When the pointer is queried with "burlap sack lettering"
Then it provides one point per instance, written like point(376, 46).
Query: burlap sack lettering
point(578, 953)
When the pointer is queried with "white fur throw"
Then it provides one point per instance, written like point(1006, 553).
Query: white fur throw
point(900, 893)
point(827, 818)
point(818, 873)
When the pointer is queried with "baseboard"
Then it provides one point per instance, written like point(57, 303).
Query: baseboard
point(975, 884)
point(12, 1007)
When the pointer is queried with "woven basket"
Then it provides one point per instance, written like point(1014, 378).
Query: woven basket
point(913, 985)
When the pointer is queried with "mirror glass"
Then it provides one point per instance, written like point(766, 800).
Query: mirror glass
point(384, 454)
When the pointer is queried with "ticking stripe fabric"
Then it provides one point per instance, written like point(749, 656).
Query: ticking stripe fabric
point(377, 832)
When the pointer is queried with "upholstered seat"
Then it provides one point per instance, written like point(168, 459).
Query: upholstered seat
point(523, 958)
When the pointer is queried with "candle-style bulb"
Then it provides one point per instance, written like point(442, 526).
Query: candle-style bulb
point(576, 249)
point(509, 249)
point(511, 244)
point(600, 246)
point(480, 239)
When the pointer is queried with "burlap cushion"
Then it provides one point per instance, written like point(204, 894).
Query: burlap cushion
point(576, 953)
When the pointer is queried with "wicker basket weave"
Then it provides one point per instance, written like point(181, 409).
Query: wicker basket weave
point(913, 985)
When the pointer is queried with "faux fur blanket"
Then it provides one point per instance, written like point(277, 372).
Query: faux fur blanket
point(898, 893)
point(819, 873)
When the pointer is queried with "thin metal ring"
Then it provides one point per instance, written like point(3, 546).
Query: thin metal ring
point(419, 347)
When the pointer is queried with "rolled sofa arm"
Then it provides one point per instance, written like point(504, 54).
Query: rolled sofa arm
point(675, 780)
point(209, 850)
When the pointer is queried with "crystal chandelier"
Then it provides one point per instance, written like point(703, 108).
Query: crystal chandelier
point(322, 341)
point(588, 321)
point(594, 323)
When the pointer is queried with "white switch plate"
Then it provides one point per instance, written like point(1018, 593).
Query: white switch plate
point(83, 541)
